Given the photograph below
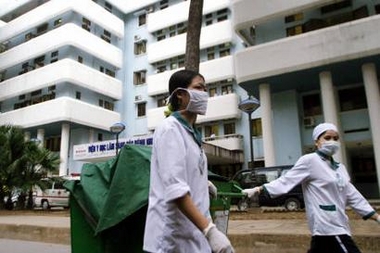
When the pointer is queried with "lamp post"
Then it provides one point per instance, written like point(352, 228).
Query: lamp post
point(116, 129)
point(248, 106)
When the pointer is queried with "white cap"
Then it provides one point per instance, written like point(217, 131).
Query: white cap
point(321, 128)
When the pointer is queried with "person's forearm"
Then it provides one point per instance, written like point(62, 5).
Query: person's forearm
point(188, 208)
point(376, 217)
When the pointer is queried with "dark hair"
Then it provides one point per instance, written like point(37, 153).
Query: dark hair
point(181, 79)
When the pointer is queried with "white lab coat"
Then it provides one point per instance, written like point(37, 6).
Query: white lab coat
point(326, 191)
point(178, 166)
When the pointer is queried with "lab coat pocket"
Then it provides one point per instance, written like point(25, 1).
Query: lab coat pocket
point(329, 214)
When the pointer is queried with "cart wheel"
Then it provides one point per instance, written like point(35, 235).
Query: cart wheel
point(243, 204)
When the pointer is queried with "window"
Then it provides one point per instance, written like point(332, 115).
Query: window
point(208, 19)
point(141, 109)
point(80, 59)
point(86, 24)
point(106, 36)
point(352, 99)
point(108, 105)
point(293, 18)
point(210, 53)
point(335, 6)
point(29, 36)
point(101, 102)
point(140, 47)
point(142, 19)
point(160, 66)
point(161, 102)
point(78, 95)
point(177, 62)
point(100, 136)
point(224, 49)
point(160, 35)
point(256, 128)
point(42, 28)
point(110, 72)
point(222, 15)
point(36, 93)
point(211, 129)
point(164, 4)
point(21, 97)
point(139, 77)
point(51, 88)
point(39, 61)
point(53, 143)
point(2, 76)
point(57, 22)
point(229, 128)
point(212, 92)
point(291, 31)
point(108, 7)
point(311, 105)
point(377, 8)
point(54, 54)
point(227, 89)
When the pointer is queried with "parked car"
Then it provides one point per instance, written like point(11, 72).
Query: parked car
point(293, 200)
point(53, 196)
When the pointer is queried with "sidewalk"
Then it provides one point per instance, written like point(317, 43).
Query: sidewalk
point(247, 236)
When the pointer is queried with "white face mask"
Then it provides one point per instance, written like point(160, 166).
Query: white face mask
point(198, 101)
point(329, 147)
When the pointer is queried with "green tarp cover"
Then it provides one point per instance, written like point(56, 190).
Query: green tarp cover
point(109, 192)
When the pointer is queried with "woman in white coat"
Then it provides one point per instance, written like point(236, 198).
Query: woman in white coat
point(178, 218)
point(327, 191)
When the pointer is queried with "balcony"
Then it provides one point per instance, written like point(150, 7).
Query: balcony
point(45, 12)
point(66, 35)
point(178, 13)
point(253, 12)
point(219, 108)
point(58, 73)
point(215, 70)
point(229, 142)
point(212, 35)
point(309, 50)
point(61, 109)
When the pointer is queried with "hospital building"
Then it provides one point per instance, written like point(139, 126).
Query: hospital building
point(69, 70)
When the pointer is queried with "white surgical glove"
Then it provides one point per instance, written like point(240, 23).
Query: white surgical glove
point(212, 190)
point(252, 192)
point(218, 241)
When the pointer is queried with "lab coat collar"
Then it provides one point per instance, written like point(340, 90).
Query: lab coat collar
point(333, 164)
point(196, 134)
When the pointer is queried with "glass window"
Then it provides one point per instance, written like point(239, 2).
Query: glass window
point(227, 89)
point(256, 128)
point(139, 77)
point(141, 109)
point(352, 99)
point(140, 47)
point(311, 105)
point(42, 28)
point(142, 19)
point(78, 95)
point(211, 129)
point(229, 128)
point(57, 22)
point(212, 92)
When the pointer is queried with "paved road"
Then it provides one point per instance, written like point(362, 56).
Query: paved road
point(16, 246)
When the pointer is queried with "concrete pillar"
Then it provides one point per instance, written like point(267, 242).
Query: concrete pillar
point(371, 85)
point(91, 135)
point(27, 136)
point(64, 153)
point(267, 122)
point(41, 136)
point(330, 111)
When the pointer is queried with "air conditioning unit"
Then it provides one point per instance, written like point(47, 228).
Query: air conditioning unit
point(149, 9)
point(309, 121)
point(137, 38)
point(138, 98)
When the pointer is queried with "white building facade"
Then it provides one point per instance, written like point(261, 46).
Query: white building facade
point(71, 69)
point(314, 61)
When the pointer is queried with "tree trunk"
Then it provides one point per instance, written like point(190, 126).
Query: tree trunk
point(193, 35)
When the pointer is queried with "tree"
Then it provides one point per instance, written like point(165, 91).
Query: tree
point(193, 35)
point(22, 164)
